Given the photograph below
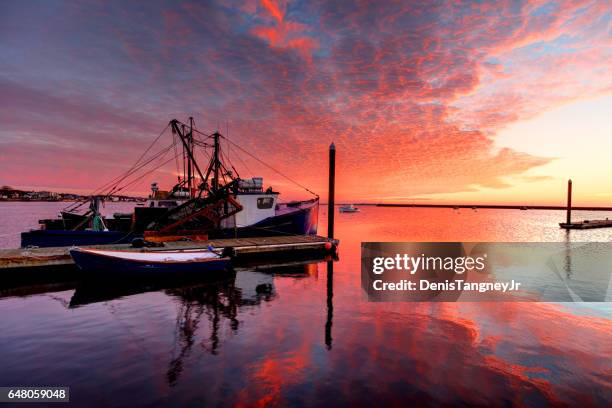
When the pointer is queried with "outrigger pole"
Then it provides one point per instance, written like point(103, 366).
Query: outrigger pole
point(216, 162)
point(190, 140)
point(186, 143)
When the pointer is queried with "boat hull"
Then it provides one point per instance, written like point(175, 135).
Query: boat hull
point(93, 262)
point(302, 219)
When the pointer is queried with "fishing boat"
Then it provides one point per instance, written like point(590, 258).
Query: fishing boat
point(206, 202)
point(122, 261)
point(349, 209)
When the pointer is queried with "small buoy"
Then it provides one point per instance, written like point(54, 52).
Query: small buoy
point(328, 246)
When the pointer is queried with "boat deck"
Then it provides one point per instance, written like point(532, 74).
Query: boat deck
point(246, 248)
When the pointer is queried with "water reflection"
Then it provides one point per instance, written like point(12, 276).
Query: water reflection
point(206, 304)
point(330, 305)
point(213, 301)
point(178, 345)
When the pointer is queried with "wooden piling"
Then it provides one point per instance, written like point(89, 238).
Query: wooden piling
point(569, 201)
point(330, 194)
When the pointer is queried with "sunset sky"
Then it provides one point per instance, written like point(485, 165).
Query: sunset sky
point(487, 102)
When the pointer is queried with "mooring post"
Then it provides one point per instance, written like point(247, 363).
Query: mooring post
point(569, 201)
point(330, 234)
point(330, 191)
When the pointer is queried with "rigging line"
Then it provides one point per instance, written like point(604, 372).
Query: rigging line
point(143, 175)
point(237, 154)
point(158, 157)
point(235, 170)
point(106, 185)
point(271, 168)
point(225, 157)
point(117, 188)
point(112, 184)
point(262, 162)
point(159, 154)
point(178, 171)
point(151, 145)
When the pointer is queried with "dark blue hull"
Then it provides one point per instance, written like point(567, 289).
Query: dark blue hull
point(299, 221)
point(110, 265)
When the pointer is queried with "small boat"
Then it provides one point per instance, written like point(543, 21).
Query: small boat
point(198, 260)
point(349, 208)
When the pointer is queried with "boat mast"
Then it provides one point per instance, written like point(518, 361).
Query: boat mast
point(190, 143)
point(185, 139)
point(216, 163)
point(183, 128)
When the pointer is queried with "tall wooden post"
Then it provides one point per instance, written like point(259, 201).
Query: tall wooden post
point(330, 192)
point(569, 201)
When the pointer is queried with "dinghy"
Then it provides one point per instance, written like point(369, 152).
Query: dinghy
point(200, 260)
point(349, 208)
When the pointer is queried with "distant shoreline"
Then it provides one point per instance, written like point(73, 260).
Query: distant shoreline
point(479, 206)
point(452, 206)
point(496, 207)
point(66, 201)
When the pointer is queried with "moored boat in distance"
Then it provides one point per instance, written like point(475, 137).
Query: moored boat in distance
point(141, 262)
point(349, 208)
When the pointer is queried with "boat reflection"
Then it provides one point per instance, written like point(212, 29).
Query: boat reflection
point(253, 281)
point(215, 300)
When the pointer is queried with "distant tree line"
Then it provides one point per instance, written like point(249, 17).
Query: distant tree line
point(8, 193)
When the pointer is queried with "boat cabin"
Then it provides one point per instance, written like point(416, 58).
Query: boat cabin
point(257, 204)
point(165, 199)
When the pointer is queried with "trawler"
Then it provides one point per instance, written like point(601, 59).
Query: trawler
point(205, 203)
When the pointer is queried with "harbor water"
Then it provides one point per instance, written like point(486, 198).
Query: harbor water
point(295, 335)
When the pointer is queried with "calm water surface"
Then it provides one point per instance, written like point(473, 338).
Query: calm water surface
point(305, 339)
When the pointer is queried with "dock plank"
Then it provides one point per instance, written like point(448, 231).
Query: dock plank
point(38, 257)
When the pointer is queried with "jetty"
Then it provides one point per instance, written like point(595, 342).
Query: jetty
point(245, 249)
point(585, 224)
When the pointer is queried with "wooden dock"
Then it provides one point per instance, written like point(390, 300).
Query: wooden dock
point(245, 248)
point(587, 224)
